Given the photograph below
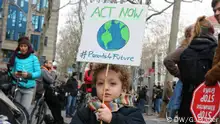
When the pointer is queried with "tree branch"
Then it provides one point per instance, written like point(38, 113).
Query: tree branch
point(19, 8)
point(190, 1)
point(79, 15)
point(34, 7)
point(132, 2)
point(168, 1)
point(69, 3)
point(152, 9)
point(159, 12)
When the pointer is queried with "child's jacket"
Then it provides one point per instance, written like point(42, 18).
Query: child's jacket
point(125, 115)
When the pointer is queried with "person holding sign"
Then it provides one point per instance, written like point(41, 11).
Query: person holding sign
point(117, 108)
point(195, 61)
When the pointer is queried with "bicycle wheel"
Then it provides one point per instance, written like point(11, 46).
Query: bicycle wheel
point(34, 115)
point(23, 117)
point(42, 112)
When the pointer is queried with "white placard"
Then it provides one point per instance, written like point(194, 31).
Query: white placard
point(113, 34)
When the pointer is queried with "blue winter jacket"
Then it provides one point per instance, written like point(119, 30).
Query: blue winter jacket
point(30, 65)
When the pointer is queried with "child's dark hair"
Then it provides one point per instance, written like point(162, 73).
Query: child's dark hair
point(122, 70)
point(214, 2)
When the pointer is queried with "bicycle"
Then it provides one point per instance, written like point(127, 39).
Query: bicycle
point(81, 100)
point(40, 109)
point(8, 97)
point(37, 117)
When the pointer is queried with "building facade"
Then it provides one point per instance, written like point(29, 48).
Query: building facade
point(14, 20)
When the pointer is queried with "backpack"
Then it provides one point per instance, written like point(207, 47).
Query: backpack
point(194, 64)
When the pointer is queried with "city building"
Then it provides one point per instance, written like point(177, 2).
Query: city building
point(14, 18)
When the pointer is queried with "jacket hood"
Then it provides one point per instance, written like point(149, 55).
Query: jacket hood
point(203, 42)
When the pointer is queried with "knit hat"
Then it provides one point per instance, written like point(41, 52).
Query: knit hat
point(24, 40)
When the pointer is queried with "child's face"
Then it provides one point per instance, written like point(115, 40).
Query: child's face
point(113, 87)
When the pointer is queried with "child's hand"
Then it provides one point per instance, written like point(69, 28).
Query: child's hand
point(105, 114)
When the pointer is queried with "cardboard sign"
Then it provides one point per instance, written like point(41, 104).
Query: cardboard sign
point(113, 33)
point(205, 105)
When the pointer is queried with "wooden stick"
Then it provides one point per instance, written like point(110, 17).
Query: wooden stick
point(103, 97)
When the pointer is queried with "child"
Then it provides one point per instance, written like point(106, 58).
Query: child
point(118, 107)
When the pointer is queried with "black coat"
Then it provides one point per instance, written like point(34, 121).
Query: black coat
point(71, 86)
point(125, 115)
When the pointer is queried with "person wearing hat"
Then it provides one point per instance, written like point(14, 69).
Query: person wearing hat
point(71, 88)
point(25, 64)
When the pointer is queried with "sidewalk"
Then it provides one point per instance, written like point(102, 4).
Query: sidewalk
point(155, 120)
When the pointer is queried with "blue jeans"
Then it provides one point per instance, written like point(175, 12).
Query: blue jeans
point(157, 105)
point(70, 107)
point(141, 104)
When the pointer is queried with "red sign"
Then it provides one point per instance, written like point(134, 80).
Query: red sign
point(205, 105)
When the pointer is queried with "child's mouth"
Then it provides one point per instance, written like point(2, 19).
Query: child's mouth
point(107, 94)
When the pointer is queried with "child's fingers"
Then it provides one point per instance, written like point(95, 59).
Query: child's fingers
point(101, 110)
point(103, 106)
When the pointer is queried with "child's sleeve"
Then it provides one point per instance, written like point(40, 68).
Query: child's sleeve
point(76, 120)
point(80, 116)
point(134, 117)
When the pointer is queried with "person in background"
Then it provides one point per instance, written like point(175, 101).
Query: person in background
point(26, 65)
point(72, 88)
point(158, 100)
point(142, 99)
point(51, 100)
point(171, 62)
point(88, 78)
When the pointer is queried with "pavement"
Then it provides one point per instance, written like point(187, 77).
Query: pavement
point(155, 120)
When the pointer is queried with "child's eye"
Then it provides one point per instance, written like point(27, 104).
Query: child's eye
point(100, 83)
point(113, 83)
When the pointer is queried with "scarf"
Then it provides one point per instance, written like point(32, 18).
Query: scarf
point(124, 100)
point(44, 67)
point(19, 55)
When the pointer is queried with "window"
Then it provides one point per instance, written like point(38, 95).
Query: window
point(1, 3)
point(20, 19)
point(35, 40)
point(16, 1)
point(10, 34)
point(1, 12)
point(1, 8)
point(45, 41)
point(38, 6)
point(6, 55)
point(37, 23)
point(42, 59)
point(34, 1)
point(22, 3)
point(35, 20)
point(42, 20)
point(20, 34)
point(10, 13)
point(45, 4)
point(12, 16)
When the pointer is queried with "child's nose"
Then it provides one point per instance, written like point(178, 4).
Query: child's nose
point(106, 86)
